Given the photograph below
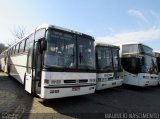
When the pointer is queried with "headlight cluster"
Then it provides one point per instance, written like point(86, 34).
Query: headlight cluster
point(55, 81)
point(92, 80)
point(146, 77)
point(102, 79)
point(46, 81)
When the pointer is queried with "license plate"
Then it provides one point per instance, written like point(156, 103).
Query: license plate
point(75, 88)
point(114, 83)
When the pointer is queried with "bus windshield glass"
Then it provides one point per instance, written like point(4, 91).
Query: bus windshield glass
point(60, 50)
point(150, 65)
point(104, 59)
point(145, 49)
point(130, 48)
point(115, 53)
point(86, 54)
point(157, 54)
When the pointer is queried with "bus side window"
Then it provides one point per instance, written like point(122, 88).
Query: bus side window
point(10, 51)
point(14, 50)
point(17, 48)
point(40, 34)
point(29, 61)
point(29, 42)
point(21, 47)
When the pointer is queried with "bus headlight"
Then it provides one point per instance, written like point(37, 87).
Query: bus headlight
point(55, 81)
point(46, 81)
point(92, 80)
point(104, 79)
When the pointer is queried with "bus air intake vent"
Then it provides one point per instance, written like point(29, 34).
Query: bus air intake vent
point(69, 81)
point(76, 81)
point(110, 78)
point(83, 80)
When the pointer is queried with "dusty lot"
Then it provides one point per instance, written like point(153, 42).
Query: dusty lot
point(124, 99)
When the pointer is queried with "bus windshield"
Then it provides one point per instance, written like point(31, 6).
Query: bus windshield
point(66, 50)
point(150, 65)
point(60, 50)
point(145, 49)
point(86, 54)
point(104, 59)
point(116, 59)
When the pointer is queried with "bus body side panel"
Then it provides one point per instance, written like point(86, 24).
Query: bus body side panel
point(153, 79)
point(106, 80)
point(18, 67)
point(141, 79)
point(66, 88)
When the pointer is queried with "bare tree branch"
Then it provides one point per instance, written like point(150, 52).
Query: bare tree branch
point(17, 33)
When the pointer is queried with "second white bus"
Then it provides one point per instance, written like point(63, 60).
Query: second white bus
point(109, 73)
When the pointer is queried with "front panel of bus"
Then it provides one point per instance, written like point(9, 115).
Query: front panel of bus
point(139, 65)
point(108, 67)
point(68, 66)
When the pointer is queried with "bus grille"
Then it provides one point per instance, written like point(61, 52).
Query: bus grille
point(110, 78)
point(75, 81)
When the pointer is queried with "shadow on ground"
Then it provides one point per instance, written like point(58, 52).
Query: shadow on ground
point(14, 100)
point(124, 99)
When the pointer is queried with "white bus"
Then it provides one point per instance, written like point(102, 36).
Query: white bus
point(157, 54)
point(109, 73)
point(139, 64)
point(53, 62)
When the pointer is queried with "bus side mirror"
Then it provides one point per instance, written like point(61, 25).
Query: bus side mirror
point(43, 45)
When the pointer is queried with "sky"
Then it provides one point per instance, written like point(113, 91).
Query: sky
point(109, 21)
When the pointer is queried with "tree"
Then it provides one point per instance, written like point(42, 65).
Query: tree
point(18, 33)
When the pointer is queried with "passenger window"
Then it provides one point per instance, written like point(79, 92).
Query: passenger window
point(14, 50)
point(17, 48)
point(40, 34)
point(29, 61)
point(29, 42)
point(21, 48)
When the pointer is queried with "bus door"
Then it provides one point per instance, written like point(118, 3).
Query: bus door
point(37, 68)
point(28, 76)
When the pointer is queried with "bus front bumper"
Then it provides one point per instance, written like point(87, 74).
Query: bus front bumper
point(51, 92)
point(109, 84)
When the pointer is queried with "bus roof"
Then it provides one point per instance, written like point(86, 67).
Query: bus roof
point(106, 45)
point(48, 26)
point(157, 53)
point(130, 43)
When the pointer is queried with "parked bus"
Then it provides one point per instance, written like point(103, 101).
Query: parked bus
point(158, 63)
point(139, 64)
point(109, 73)
point(53, 62)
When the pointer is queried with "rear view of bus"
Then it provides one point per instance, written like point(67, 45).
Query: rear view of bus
point(109, 73)
point(139, 64)
point(157, 54)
